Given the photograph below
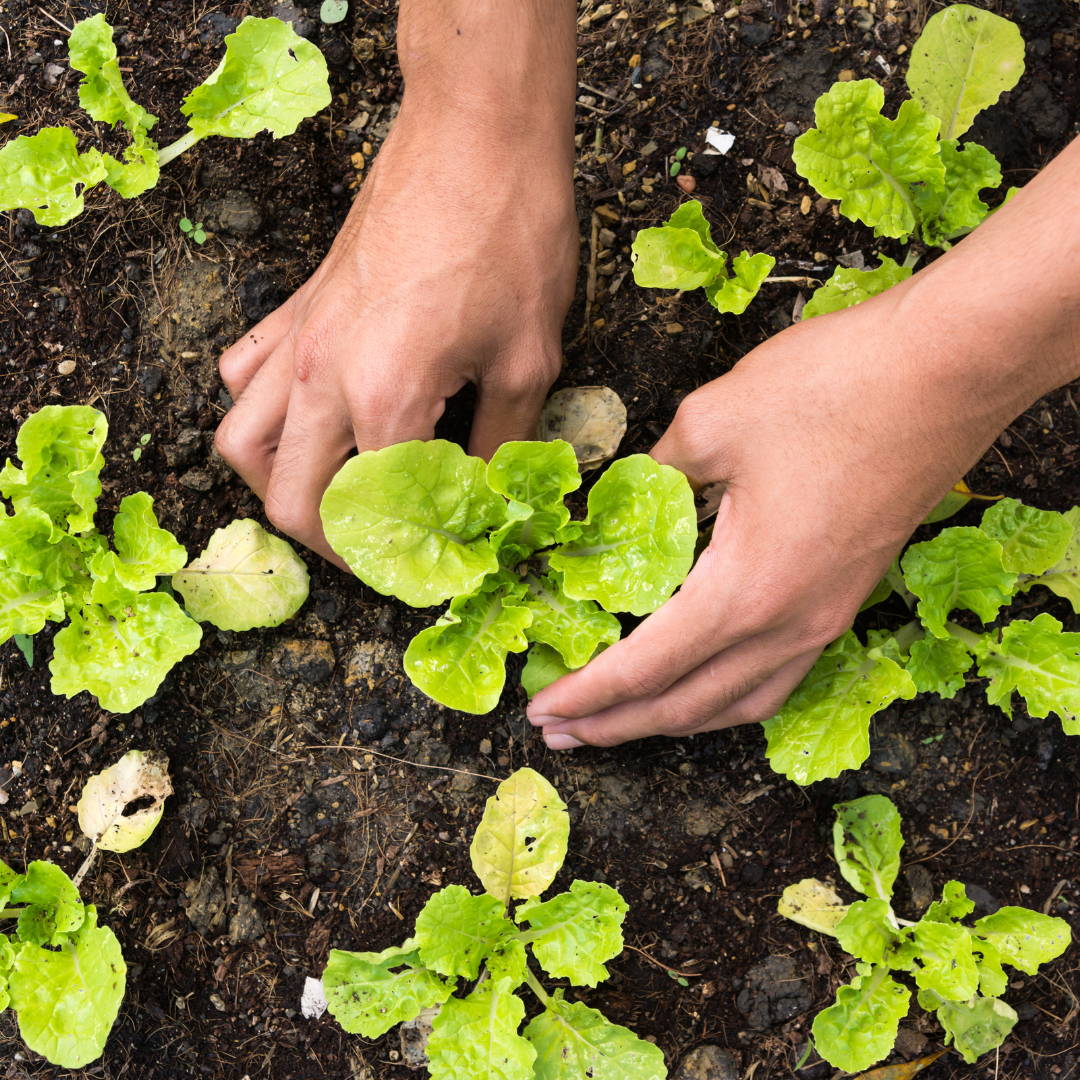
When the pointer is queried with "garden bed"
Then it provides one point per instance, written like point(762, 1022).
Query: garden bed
point(319, 797)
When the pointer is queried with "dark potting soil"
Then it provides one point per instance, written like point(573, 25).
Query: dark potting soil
point(319, 797)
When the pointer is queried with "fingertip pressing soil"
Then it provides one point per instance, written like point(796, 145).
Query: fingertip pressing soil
point(320, 798)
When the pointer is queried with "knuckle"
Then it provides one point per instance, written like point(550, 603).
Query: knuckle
point(824, 627)
point(642, 681)
point(232, 441)
point(284, 513)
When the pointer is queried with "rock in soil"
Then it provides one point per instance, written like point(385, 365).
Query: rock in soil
point(708, 1063)
point(414, 1039)
point(234, 214)
point(775, 991)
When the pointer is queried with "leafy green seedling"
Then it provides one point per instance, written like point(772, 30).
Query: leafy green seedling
point(333, 11)
point(958, 969)
point(192, 229)
point(270, 79)
point(912, 175)
point(485, 942)
point(144, 441)
point(680, 254)
point(122, 635)
point(824, 727)
point(61, 973)
point(424, 522)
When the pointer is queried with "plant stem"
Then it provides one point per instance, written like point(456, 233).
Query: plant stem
point(908, 634)
point(87, 863)
point(795, 280)
point(175, 149)
point(970, 639)
point(11, 912)
point(534, 985)
point(911, 259)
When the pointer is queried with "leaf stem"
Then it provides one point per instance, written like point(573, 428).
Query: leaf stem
point(911, 259)
point(11, 912)
point(796, 279)
point(908, 634)
point(967, 637)
point(534, 985)
point(175, 149)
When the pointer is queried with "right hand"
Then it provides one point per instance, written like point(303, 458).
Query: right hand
point(456, 264)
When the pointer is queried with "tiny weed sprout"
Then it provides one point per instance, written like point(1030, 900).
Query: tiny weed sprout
point(192, 229)
point(123, 635)
point(957, 969)
point(61, 973)
point(485, 942)
point(424, 522)
point(144, 441)
point(270, 79)
point(824, 727)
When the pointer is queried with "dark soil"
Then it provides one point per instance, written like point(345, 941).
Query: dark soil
point(319, 798)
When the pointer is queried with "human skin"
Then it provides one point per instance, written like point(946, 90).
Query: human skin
point(831, 441)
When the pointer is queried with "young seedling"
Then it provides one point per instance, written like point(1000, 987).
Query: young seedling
point(958, 969)
point(61, 973)
point(824, 727)
point(122, 635)
point(269, 80)
point(194, 230)
point(144, 441)
point(485, 942)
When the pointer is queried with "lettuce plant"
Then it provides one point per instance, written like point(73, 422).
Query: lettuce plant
point(681, 254)
point(911, 176)
point(269, 80)
point(424, 522)
point(122, 635)
point(484, 941)
point(824, 727)
point(958, 969)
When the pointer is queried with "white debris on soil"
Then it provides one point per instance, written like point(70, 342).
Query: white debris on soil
point(312, 1000)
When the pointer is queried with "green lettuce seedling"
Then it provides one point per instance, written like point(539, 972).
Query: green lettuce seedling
point(484, 942)
point(424, 522)
point(912, 175)
point(269, 80)
point(680, 254)
point(824, 727)
point(122, 636)
point(958, 969)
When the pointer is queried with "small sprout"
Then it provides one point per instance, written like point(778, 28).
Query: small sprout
point(333, 11)
point(193, 230)
point(137, 452)
point(680, 154)
point(676, 168)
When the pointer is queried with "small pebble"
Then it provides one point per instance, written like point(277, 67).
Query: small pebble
point(686, 183)
point(66, 367)
point(846, 75)
point(804, 205)
point(674, 328)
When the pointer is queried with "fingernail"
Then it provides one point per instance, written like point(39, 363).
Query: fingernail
point(540, 720)
point(558, 741)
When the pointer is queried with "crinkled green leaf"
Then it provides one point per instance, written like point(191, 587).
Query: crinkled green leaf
point(477, 1036)
point(53, 910)
point(538, 474)
point(679, 254)
point(954, 208)
point(455, 930)
point(576, 628)
point(868, 930)
point(938, 665)
point(122, 658)
point(866, 844)
point(1022, 938)
point(1063, 577)
point(575, 932)
point(963, 61)
point(368, 993)
point(102, 93)
point(960, 568)
point(860, 1028)
point(573, 1041)
point(977, 1026)
point(521, 840)
point(67, 1000)
point(1039, 661)
point(993, 982)
point(144, 550)
point(411, 520)
point(814, 904)
point(637, 544)
point(45, 174)
point(243, 579)
point(943, 959)
point(691, 215)
point(26, 605)
point(868, 162)
point(732, 295)
point(824, 727)
point(848, 287)
point(137, 171)
point(60, 449)
point(461, 660)
point(954, 904)
point(507, 960)
point(542, 667)
point(8, 878)
point(269, 80)
point(1032, 540)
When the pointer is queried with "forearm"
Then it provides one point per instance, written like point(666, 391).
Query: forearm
point(1000, 313)
point(505, 69)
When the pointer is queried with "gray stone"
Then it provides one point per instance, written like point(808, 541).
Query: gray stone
point(234, 214)
point(205, 901)
point(775, 991)
point(708, 1063)
point(246, 925)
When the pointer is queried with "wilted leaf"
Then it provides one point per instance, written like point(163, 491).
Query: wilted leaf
point(904, 1071)
point(137, 776)
point(591, 418)
point(814, 904)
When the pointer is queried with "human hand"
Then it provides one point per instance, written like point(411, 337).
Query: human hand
point(832, 441)
point(456, 264)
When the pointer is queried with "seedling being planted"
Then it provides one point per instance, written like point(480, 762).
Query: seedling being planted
point(269, 80)
point(487, 943)
point(122, 634)
point(424, 522)
point(824, 727)
point(958, 969)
